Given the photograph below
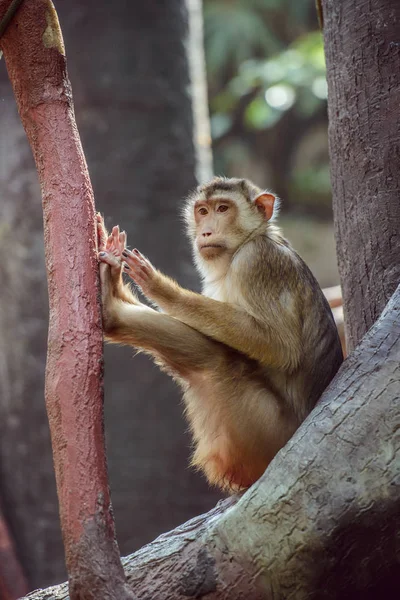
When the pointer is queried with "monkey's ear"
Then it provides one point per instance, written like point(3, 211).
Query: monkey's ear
point(265, 204)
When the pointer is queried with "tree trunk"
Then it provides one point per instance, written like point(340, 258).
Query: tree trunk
point(323, 520)
point(362, 55)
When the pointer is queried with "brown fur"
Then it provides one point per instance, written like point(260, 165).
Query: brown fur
point(253, 353)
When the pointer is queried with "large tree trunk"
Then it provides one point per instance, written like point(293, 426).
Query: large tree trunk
point(362, 56)
point(130, 78)
point(322, 522)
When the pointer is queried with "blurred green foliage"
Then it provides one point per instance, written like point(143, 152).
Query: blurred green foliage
point(294, 77)
point(266, 77)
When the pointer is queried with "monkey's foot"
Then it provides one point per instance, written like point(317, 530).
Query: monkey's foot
point(110, 259)
point(114, 243)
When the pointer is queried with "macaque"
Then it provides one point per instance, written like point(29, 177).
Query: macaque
point(253, 352)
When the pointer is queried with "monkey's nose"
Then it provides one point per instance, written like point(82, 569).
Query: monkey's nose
point(206, 233)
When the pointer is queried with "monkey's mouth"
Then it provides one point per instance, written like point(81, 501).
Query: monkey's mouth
point(204, 246)
point(212, 251)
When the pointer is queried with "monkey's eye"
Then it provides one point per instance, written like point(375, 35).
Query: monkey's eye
point(222, 208)
point(202, 210)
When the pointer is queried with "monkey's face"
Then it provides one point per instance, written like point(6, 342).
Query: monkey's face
point(221, 216)
point(222, 224)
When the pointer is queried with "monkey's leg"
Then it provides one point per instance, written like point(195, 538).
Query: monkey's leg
point(181, 348)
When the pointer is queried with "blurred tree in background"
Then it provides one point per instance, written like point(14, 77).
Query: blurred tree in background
point(267, 92)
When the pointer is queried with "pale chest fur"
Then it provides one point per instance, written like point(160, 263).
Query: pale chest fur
point(223, 290)
point(224, 282)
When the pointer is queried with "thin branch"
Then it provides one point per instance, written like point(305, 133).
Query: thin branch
point(35, 57)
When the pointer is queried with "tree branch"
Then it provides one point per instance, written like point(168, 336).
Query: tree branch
point(35, 57)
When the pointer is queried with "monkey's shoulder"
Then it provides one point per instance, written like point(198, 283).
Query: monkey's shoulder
point(269, 263)
point(270, 271)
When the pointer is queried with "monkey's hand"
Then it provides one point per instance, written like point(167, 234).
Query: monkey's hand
point(153, 284)
point(110, 252)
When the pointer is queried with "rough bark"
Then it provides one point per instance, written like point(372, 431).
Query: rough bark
point(362, 55)
point(322, 522)
point(35, 58)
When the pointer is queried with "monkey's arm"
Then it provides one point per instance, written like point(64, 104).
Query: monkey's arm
point(259, 338)
point(180, 348)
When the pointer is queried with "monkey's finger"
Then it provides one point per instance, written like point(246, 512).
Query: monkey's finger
point(136, 257)
point(109, 259)
point(136, 276)
point(128, 256)
point(137, 253)
point(101, 232)
point(99, 221)
point(143, 259)
point(133, 262)
point(122, 240)
point(115, 235)
point(109, 242)
point(133, 274)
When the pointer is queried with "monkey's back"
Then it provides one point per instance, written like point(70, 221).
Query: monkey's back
point(284, 286)
point(321, 348)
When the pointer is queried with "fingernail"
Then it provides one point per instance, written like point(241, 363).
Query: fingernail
point(124, 253)
point(102, 254)
point(136, 250)
point(127, 267)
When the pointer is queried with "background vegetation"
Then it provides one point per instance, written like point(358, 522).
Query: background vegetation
point(268, 109)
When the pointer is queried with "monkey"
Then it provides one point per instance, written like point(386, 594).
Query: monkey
point(253, 352)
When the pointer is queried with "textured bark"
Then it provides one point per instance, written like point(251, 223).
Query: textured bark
point(35, 58)
point(362, 55)
point(322, 522)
